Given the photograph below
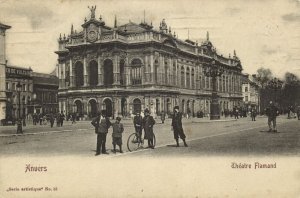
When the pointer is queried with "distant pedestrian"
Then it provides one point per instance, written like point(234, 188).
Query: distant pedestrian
point(117, 134)
point(236, 113)
point(40, 118)
point(34, 118)
point(51, 119)
point(253, 113)
point(101, 124)
point(272, 112)
point(148, 122)
point(58, 119)
point(24, 120)
point(62, 118)
point(163, 117)
point(73, 118)
point(177, 126)
point(298, 112)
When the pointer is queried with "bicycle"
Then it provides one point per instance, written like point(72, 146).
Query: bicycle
point(134, 144)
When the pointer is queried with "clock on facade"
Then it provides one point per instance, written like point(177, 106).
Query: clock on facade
point(92, 36)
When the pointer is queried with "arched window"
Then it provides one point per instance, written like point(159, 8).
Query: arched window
point(182, 77)
point(93, 73)
point(188, 81)
point(136, 71)
point(79, 74)
point(108, 72)
point(174, 74)
point(166, 73)
point(156, 65)
point(122, 72)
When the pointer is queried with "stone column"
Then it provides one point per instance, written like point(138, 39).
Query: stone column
point(116, 105)
point(185, 84)
point(127, 73)
point(151, 68)
point(100, 66)
point(71, 73)
point(116, 69)
point(85, 72)
point(147, 72)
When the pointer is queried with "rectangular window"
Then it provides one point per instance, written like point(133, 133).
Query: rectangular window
point(246, 98)
point(246, 89)
point(13, 86)
point(7, 86)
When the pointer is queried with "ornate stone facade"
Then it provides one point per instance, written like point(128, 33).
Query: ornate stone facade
point(3, 61)
point(130, 67)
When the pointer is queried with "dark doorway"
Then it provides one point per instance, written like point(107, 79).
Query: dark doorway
point(79, 109)
point(124, 107)
point(93, 108)
point(157, 107)
point(107, 105)
point(108, 72)
point(168, 106)
point(93, 73)
point(137, 105)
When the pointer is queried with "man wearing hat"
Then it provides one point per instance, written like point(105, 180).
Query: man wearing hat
point(101, 124)
point(177, 126)
point(138, 124)
point(148, 122)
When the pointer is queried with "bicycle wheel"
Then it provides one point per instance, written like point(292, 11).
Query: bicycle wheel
point(132, 142)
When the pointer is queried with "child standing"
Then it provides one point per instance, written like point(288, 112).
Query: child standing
point(117, 134)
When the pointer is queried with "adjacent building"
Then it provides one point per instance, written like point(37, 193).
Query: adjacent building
point(3, 61)
point(22, 91)
point(45, 88)
point(130, 67)
point(18, 100)
point(250, 90)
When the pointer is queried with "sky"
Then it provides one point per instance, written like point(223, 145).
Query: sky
point(264, 33)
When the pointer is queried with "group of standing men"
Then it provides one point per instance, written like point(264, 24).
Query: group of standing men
point(146, 123)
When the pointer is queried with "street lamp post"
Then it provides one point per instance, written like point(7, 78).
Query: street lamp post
point(214, 70)
point(19, 122)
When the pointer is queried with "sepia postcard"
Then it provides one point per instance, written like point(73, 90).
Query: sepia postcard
point(150, 98)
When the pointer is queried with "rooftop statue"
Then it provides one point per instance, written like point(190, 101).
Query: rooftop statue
point(92, 9)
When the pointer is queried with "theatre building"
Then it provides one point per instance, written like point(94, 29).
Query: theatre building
point(127, 68)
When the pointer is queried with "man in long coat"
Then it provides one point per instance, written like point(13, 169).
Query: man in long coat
point(272, 112)
point(177, 126)
point(101, 124)
point(138, 125)
point(148, 122)
point(253, 113)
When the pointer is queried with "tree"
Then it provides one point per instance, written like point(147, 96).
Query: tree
point(291, 91)
point(263, 76)
point(290, 78)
